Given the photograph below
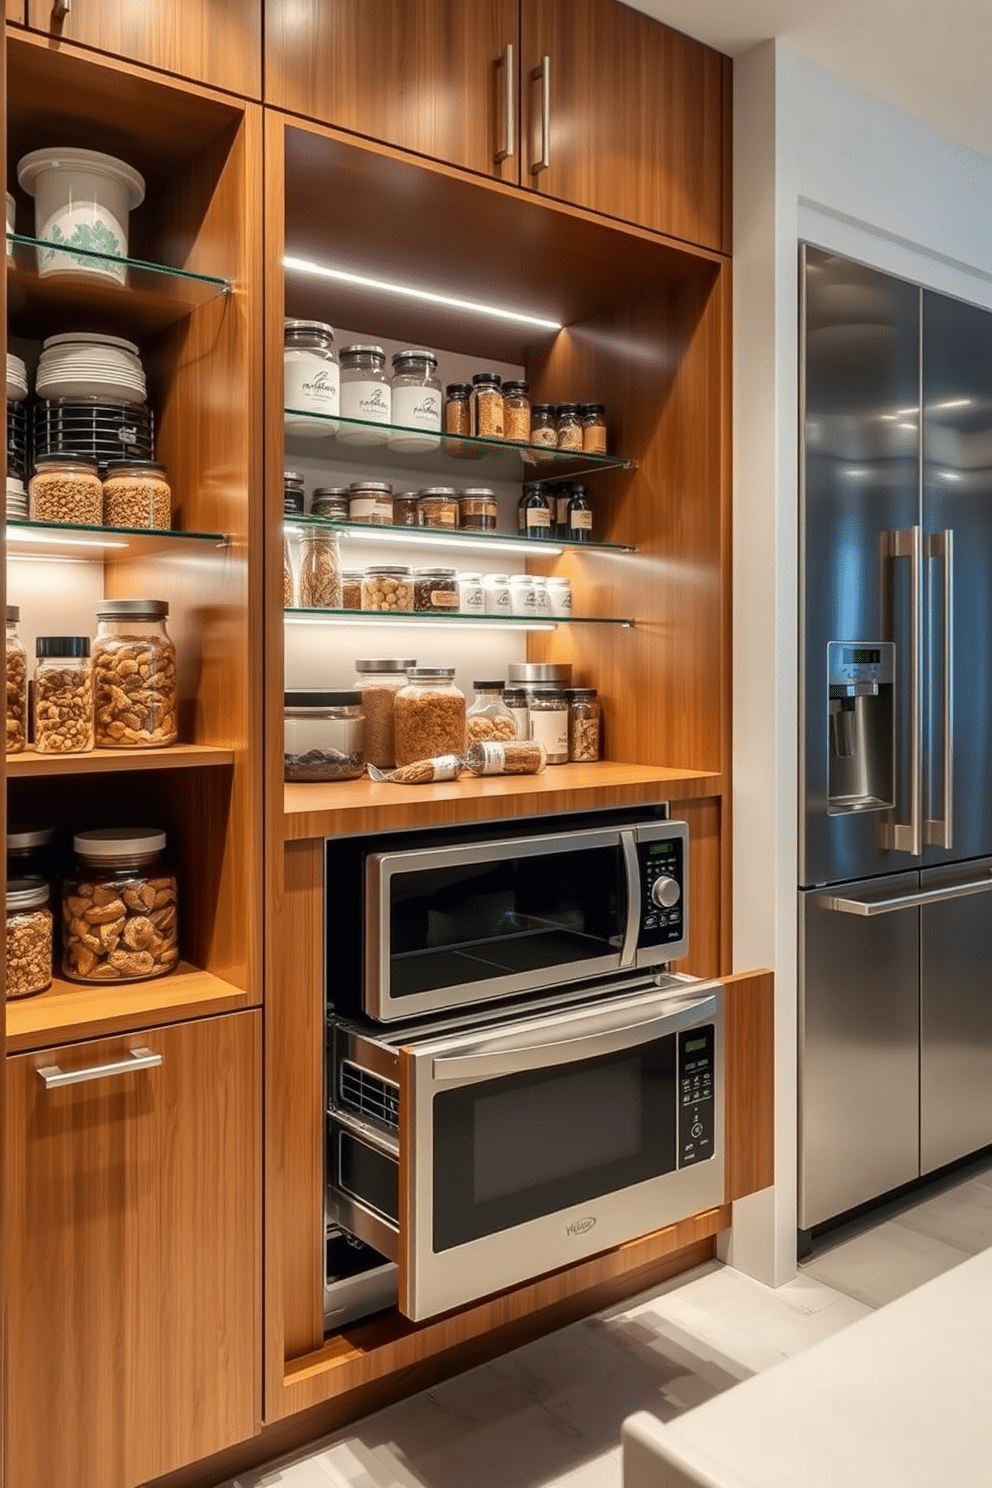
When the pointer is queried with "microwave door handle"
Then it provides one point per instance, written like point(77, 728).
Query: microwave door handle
point(628, 953)
point(467, 1069)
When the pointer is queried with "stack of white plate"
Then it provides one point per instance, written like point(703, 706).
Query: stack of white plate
point(17, 498)
point(86, 365)
point(17, 379)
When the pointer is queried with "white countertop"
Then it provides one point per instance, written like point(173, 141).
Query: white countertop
point(900, 1399)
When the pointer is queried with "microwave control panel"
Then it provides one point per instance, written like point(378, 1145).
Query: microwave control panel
point(695, 1095)
point(662, 869)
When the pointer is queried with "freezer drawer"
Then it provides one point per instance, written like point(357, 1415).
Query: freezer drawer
point(858, 1047)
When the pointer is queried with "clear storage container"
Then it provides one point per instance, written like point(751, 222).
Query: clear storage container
point(548, 717)
point(387, 586)
point(435, 591)
point(489, 717)
point(29, 938)
point(351, 588)
point(311, 378)
point(437, 506)
point(365, 393)
point(584, 716)
point(515, 699)
point(331, 503)
point(136, 695)
point(405, 509)
point(371, 502)
point(429, 716)
point(417, 400)
point(458, 408)
point(487, 405)
point(534, 512)
point(592, 417)
point(320, 569)
point(119, 908)
point(63, 695)
point(478, 509)
point(516, 411)
point(324, 735)
point(579, 516)
point(66, 488)
point(543, 425)
point(379, 681)
point(569, 429)
point(30, 852)
point(17, 684)
point(136, 493)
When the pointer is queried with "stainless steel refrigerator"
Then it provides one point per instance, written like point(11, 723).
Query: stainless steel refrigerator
point(895, 791)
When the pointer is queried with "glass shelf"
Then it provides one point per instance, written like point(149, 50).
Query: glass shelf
point(74, 540)
point(529, 547)
point(467, 460)
point(413, 617)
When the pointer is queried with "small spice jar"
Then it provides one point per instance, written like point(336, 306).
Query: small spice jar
point(523, 595)
point(515, 700)
point(592, 417)
point(63, 695)
point(478, 509)
point(379, 681)
point(437, 506)
point(324, 735)
point(579, 516)
point(471, 594)
point(458, 408)
point(119, 908)
point(435, 590)
point(330, 503)
point(584, 716)
point(560, 596)
point(388, 586)
point(351, 588)
point(29, 938)
point(365, 393)
point(560, 497)
point(134, 675)
point(543, 425)
point(489, 717)
point(17, 685)
point(405, 509)
point(311, 378)
point(542, 598)
point(66, 488)
point(487, 405)
point(320, 569)
point(569, 429)
point(534, 512)
point(293, 495)
point(136, 494)
point(516, 411)
point(417, 400)
point(429, 715)
point(548, 720)
point(30, 852)
point(496, 588)
point(371, 502)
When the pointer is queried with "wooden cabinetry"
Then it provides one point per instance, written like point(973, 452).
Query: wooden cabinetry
point(217, 43)
point(132, 1210)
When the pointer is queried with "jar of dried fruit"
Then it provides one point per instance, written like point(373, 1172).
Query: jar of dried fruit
point(136, 494)
point(66, 488)
point(489, 717)
point(119, 908)
point(29, 938)
point(429, 715)
point(320, 569)
point(134, 675)
point(17, 685)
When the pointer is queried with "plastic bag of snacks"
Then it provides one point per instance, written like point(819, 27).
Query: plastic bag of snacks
point(421, 772)
point(493, 757)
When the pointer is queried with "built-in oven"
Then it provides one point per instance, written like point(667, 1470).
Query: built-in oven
point(479, 1152)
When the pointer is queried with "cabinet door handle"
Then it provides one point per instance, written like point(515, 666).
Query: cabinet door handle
point(509, 106)
point(60, 9)
point(137, 1059)
point(543, 71)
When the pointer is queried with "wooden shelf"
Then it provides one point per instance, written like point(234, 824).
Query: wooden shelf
point(102, 761)
point(71, 1011)
point(352, 806)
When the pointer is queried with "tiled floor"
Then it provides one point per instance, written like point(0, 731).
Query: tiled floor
point(550, 1413)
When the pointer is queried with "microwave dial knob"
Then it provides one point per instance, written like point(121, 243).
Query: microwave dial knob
point(665, 892)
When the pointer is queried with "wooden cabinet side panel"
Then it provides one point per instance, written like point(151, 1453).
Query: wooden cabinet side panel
point(749, 1013)
point(706, 907)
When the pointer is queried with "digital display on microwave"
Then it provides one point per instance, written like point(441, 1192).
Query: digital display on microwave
point(659, 849)
point(693, 1046)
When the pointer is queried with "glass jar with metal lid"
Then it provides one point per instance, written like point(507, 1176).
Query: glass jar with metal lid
point(417, 399)
point(324, 735)
point(405, 509)
point(293, 495)
point(437, 506)
point(63, 695)
point(134, 675)
point(487, 405)
point(515, 700)
point(592, 417)
point(66, 488)
point(137, 494)
point(516, 411)
point(311, 378)
point(478, 509)
point(365, 393)
point(489, 717)
point(435, 590)
point(371, 502)
point(387, 587)
point(320, 569)
point(569, 429)
point(30, 852)
point(330, 502)
point(29, 938)
point(429, 715)
point(379, 681)
point(119, 907)
point(351, 588)
point(17, 684)
point(548, 720)
point(584, 715)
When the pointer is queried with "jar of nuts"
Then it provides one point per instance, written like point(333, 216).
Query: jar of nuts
point(429, 715)
point(320, 569)
point(136, 494)
point(387, 586)
point(119, 908)
point(29, 938)
point(66, 488)
point(379, 681)
point(63, 695)
point(134, 675)
point(17, 685)
point(489, 717)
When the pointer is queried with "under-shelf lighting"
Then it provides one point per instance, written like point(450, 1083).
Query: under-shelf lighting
point(441, 536)
point(410, 617)
point(16, 534)
point(384, 286)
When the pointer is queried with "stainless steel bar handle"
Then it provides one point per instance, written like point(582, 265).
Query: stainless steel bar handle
point(871, 907)
point(509, 104)
point(61, 8)
point(54, 1078)
point(940, 830)
point(543, 72)
point(908, 836)
point(632, 873)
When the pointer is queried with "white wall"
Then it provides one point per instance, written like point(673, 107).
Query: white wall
point(817, 159)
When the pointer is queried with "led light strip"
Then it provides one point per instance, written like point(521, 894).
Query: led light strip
point(410, 617)
point(15, 534)
point(441, 537)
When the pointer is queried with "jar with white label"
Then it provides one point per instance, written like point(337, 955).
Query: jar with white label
point(311, 378)
point(435, 591)
point(437, 506)
point(560, 597)
point(515, 699)
point(496, 588)
point(523, 595)
point(365, 394)
point(579, 516)
point(371, 502)
point(417, 400)
point(548, 718)
point(542, 597)
point(471, 595)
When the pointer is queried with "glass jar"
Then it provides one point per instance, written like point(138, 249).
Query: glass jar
point(458, 408)
point(489, 717)
point(516, 411)
point(293, 495)
point(584, 715)
point(136, 494)
point(330, 503)
point(119, 908)
point(534, 512)
point(288, 581)
point(560, 597)
point(543, 425)
point(30, 852)
point(29, 938)
point(515, 699)
point(429, 715)
point(548, 721)
point(435, 590)
point(579, 516)
point(379, 682)
point(471, 594)
point(66, 488)
point(320, 569)
point(324, 736)
point(63, 695)
point(365, 393)
point(478, 509)
point(569, 428)
point(496, 588)
point(136, 696)
point(371, 502)
point(592, 417)
point(405, 509)
point(561, 496)
point(437, 506)
point(388, 586)
point(311, 378)
point(523, 596)
point(17, 685)
point(351, 588)
point(417, 399)
point(487, 405)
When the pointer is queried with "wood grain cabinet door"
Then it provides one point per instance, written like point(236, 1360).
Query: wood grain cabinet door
point(210, 41)
point(626, 117)
point(132, 1255)
point(435, 76)
point(15, 11)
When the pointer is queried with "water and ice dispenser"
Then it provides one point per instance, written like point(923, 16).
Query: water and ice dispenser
point(861, 722)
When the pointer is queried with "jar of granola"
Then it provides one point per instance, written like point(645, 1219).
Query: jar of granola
point(569, 430)
point(136, 494)
point(379, 681)
point(119, 908)
point(66, 488)
point(17, 685)
point(489, 717)
point(320, 569)
point(429, 715)
point(516, 411)
point(29, 938)
point(583, 724)
point(134, 675)
point(63, 695)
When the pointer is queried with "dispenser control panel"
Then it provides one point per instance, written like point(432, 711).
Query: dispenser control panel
point(856, 667)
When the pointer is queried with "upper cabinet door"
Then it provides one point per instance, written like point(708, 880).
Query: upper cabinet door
point(217, 43)
point(626, 117)
point(435, 76)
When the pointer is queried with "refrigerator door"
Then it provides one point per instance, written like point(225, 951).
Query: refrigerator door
point(956, 1013)
point(957, 518)
point(861, 547)
point(858, 1046)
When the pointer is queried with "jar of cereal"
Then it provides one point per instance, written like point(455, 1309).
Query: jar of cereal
point(429, 715)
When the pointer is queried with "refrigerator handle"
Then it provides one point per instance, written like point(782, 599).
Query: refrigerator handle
point(939, 831)
point(908, 836)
